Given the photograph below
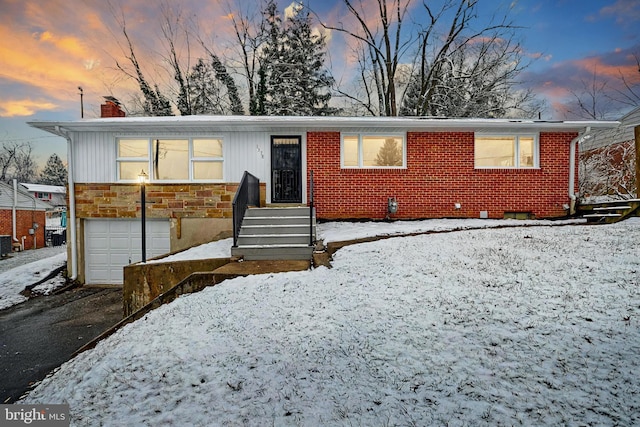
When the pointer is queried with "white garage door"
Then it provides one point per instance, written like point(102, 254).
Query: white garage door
point(110, 244)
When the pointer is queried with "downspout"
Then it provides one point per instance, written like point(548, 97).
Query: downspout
point(13, 211)
point(71, 215)
point(572, 169)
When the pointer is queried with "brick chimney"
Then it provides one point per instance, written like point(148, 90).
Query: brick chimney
point(111, 108)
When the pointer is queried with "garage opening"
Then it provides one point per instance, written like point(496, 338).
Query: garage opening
point(111, 244)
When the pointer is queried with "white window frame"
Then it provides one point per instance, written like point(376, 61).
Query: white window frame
point(360, 151)
point(120, 160)
point(192, 159)
point(516, 136)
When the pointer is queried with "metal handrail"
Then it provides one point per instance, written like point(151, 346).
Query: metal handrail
point(248, 194)
point(311, 240)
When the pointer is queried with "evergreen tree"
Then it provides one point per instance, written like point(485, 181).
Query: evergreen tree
point(270, 78)
point(204, 93)
point(261, 93)
point(225, 78)
point(54, 172)
point(311, 83)
point(158, 105)
point(292, 77)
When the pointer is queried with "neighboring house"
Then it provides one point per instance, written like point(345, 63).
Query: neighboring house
point(55, 195)
point(433, 168)
point(608, 162)
point(22, 217)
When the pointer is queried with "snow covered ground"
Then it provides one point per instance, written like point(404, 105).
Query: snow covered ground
point(26, 268)
point(526, 326)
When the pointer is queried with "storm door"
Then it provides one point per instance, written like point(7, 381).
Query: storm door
point(286, 169)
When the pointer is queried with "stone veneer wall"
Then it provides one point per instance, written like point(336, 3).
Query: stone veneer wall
point(188, 206)
point(162, 200)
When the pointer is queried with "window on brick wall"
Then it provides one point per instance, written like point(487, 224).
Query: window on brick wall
point(373, 151)
point(179, 159)
point(506, 151)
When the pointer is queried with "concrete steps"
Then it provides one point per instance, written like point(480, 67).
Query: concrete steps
point(275, 233)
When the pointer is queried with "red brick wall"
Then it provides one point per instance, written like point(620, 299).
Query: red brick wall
point(111, 109)
point(24, 221)
point(440, 172)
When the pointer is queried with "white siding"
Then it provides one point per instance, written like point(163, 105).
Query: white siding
point(95, 155)
point(251, 151)
point(247, 151)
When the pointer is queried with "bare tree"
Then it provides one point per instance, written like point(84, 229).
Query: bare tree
point(176, 34)
point(16, 161)
point(154, 103)
point(591, 100)
point(222, 74)
point(630, 96)
point(25, 169)
point(249, 30)
point(448, 65)
point(7, 157)
point(380, 49)
point(173, 26)
point(601, 97)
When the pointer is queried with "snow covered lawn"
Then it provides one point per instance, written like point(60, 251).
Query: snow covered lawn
point(14, 280)
point(531, 326)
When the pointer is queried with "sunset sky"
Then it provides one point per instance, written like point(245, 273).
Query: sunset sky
point(50, 47)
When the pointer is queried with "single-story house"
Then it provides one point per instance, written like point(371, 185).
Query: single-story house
point(432, 167)
point(22, 217)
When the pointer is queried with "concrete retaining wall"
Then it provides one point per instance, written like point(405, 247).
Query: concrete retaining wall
point(144, 282)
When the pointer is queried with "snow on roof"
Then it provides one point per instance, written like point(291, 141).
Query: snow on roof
point(265, 123)
point(623, 133)
point(25, 201)
point(41, 188)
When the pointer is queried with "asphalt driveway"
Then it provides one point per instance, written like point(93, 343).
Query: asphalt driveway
point(39, 335)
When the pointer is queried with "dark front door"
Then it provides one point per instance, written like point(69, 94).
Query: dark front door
point(286, 169)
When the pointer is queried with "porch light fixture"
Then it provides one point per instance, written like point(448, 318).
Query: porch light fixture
point(142, 179)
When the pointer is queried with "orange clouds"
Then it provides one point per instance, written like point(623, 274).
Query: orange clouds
point(24, 107)
point(43, 61)
point(67, 45)
point(598, 66)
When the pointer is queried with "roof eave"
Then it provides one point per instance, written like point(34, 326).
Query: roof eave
point(262, 123)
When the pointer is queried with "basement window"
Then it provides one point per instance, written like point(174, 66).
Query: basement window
point(518, 215)
point(506, 151)
point(373, 151)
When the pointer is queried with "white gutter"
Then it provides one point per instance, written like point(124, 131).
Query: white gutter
point(317, 123)
point(572, 168)
point(13, 211)
point(71, 224)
